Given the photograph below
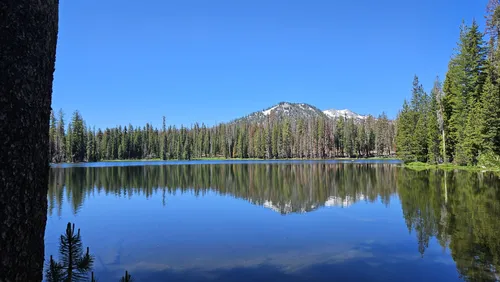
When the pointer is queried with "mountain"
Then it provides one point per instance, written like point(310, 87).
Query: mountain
point(332, 113)
point(285, 109)
point(295, 111)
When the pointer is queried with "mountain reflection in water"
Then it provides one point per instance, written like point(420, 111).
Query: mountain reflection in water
point(460, 210)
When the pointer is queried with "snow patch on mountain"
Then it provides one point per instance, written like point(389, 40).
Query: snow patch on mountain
point(333, 113)
point(296, 111)
point(268, 111)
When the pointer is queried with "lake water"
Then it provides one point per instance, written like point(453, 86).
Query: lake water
point(279, 221)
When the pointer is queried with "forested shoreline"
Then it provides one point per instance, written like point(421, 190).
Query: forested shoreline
point(459, 122)
point(277, 138)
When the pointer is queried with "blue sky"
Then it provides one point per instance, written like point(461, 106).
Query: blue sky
point(122, 62)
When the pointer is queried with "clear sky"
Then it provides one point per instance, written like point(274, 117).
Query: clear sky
point(122, 62)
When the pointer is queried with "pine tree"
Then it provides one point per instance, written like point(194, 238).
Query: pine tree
point(362, 139)
point(463, 87)
point(493, 19)
point(275, 142)
point(339, 136)
point(74, 265)
point(490, 109)
point(287, 139)
point(69, 143)
point(238, 148)
point(433, 127)
point(404, 134)
point(52, 137)
point(440, 101)
point(60, 138)
point(77, 138)
point(90, 146)
point(472, 142)
point(382, 135)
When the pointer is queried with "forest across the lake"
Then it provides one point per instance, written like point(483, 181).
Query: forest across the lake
point(458, 124)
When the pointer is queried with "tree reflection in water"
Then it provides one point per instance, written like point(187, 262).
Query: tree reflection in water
point(460, 209)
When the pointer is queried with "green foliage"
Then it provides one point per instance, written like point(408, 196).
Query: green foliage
point(490, 115)
point(74, 264)
point(434, 153)
point(461, 121)
point(472, 142)
point(55, 271)
point(420, 138)
point(464, 87)
point(489, 159)
point(412, 136)
point(275, 139)
point(78, 142)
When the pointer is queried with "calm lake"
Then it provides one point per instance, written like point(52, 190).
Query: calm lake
point(279, 221)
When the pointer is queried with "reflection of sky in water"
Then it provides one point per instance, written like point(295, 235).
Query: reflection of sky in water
point(215, 237)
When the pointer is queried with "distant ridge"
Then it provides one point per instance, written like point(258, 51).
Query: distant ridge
point(282, 110)
point(295, 111)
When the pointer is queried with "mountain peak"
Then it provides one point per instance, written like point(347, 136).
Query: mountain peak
point(285, 110)
point(295, 111)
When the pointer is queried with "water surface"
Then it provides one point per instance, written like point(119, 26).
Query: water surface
point(279, 221)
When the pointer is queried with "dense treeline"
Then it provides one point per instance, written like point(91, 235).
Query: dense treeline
point(274, 139)
point(460, 121)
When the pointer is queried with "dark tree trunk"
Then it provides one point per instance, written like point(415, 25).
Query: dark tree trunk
point(28, 35)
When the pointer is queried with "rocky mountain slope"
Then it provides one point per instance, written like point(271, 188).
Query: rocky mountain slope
point(295, 111)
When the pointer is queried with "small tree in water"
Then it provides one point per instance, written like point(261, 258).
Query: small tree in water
point(74, 265)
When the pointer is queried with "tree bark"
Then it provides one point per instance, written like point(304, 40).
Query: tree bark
point(28, 36)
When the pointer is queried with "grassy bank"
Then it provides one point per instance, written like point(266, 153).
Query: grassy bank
point(424, 166)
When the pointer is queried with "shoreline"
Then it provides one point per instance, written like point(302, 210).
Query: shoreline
point(425, 166)
point(233, 159)
point(412, 166)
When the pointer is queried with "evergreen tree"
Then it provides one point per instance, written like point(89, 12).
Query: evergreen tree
point(339, 136)
point(52, 137)
point(419, 111)
point(472, 142)
point(60, 139)
point(433, 128)
point(287, 139)
point(74, 264)
point(90, 146)
point(274, 142)
point(382, 140)
point(77, 138)
point(490, 109)
point(463, 87)
point(69, 143)
point(404, 134)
